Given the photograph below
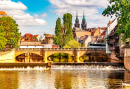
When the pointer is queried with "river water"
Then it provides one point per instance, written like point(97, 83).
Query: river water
point(63, 78)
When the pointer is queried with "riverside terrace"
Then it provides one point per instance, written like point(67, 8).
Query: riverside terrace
point(46, 52)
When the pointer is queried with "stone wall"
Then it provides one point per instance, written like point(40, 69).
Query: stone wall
point(7, 56)
point(127, 58)
point(127, 63)
point(114, 59)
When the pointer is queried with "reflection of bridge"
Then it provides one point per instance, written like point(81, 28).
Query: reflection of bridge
point(46, 52)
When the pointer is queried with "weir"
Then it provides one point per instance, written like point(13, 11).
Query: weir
point(88, 66)
point(23, 66)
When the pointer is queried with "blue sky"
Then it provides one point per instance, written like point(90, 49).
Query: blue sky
point(39, 17)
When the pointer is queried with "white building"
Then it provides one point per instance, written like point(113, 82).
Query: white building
point(110, 26)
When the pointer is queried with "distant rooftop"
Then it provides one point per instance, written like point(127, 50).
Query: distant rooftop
point(2, 13)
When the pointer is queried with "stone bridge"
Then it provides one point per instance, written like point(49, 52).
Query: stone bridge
point(46, 52)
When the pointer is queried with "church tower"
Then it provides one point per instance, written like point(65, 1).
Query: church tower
point(77, 21)
point(84, 24)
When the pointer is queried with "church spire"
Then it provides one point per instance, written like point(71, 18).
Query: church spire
point(77, 21)
point(84, 24)
point(77, 16)
point(83, 17)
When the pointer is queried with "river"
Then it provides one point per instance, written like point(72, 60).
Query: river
point(71, 78)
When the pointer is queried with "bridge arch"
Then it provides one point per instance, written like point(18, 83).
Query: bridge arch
point(29, 57)
point(49, 53)
point(20, 52)
point(61, 57)
point(95, 57)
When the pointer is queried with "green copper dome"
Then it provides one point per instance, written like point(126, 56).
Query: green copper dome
point(84, 17)
point(76, 17)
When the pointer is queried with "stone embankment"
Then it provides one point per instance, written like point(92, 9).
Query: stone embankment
point(7, 56)
point(127, 57)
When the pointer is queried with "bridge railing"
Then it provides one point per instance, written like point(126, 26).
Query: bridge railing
point(89, 49)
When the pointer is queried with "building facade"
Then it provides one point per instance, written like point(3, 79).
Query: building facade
point(113, 41)
point(49, 39)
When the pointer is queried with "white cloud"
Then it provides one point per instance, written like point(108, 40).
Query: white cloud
point(16, 10)
point(36, 16)
point(42, 22)
point(44, 15)
point(9, 5)
point(89, 7)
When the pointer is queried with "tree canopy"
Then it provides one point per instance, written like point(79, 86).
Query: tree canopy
point(121, 9)
point(9, 32)
point(67, 21)
point(72, 44)
point(63, 38)
point(58, 38)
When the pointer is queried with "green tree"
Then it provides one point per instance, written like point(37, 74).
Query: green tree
point(58, 38)
point(72, 44)
point(9, 32)
point(3, 40)
point(121, 9)
point(67, 22)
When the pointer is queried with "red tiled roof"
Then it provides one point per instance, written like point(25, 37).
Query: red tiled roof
point(92, 33)
point(29, 37)
point(103, 28)
point(91, 29)
point(2, 13)
point(103, 33)
point(36, 35)
point(110, 22)
point(48, 35)
point(28, 34)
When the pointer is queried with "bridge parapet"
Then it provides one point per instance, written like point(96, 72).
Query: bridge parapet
point(96, 49)
point(56, 49)
point(23, 49)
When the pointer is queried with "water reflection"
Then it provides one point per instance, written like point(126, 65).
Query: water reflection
point(8, 80)
point(61, 79)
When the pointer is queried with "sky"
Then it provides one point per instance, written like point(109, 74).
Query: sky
point(39, 16)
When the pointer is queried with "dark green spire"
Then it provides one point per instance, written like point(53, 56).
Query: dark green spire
point(83, 17)
point(76, 17)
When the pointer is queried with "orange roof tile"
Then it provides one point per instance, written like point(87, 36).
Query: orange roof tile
point(36, 35)
point(48, 35)
point(28, 34)
point(110, 22)
point(103, 28)
point(82, 33)
point(2, 13)
point(103, 33)
point(97, 32)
